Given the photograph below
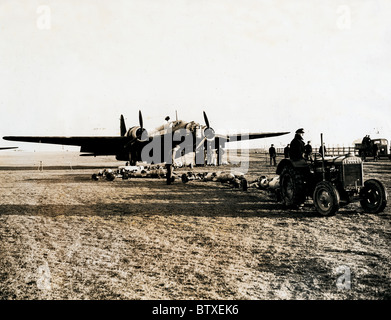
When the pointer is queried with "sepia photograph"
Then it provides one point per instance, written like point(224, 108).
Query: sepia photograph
point(212, 151)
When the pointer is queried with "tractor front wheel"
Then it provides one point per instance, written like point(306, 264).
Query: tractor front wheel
point(373, 196)
point(326, 198)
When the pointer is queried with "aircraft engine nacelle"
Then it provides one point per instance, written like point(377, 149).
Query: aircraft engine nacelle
point(138, 133)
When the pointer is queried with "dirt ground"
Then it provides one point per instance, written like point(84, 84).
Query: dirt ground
point(64, 236)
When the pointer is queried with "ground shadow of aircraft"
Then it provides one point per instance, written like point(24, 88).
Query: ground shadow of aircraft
point(4, 148)
point(160, 145)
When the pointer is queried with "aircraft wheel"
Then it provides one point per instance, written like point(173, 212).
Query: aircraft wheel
point(326, 198)
point(373, 196)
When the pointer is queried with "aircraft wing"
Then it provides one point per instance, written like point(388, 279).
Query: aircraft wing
point(249, 136)
point(4, 148)
point(98, 145)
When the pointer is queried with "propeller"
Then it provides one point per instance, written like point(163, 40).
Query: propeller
point(122, 126)
point(141, 123)
point(208, 132)
point(140, 119)
point(206, 120)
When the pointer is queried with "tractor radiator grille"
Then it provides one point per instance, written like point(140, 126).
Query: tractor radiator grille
point(352, 175)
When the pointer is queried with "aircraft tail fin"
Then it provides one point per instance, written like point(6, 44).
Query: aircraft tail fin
point(123, 126)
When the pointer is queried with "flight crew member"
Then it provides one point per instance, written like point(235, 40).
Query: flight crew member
point(308, 150)
point(322, 151)
point(375, 152)
point(297, 149)
point(273, 154)
point(286, 151)
point(167, 124)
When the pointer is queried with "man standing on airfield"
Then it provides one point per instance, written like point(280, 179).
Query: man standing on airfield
point(273, 154)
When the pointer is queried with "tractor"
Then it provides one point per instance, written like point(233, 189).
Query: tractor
point(332, 182)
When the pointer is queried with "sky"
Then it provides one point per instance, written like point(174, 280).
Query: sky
point(73, 67)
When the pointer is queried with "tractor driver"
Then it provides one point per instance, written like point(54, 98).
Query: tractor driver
point(297, 149)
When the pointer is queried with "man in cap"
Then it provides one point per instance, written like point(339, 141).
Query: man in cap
point(297, 149)
point(167, 124)
point(308, 150)
point(322, 150)
point(286, 151)
point(272, 154)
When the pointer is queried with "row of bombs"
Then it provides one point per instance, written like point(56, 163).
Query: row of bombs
point(266, 183)
point(270, 185)
point(236, 180)
point(130, 172)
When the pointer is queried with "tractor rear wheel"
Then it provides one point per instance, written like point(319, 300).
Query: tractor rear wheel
point(291, 187)
point(373, 196)
point(326, 198)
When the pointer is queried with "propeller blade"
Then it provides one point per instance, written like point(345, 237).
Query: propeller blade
point(201, 143)
point(122, 126)
point(140, 118)
point(206, 120)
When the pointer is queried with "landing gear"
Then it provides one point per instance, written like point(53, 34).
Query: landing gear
point(169, 173)
point(132, 158)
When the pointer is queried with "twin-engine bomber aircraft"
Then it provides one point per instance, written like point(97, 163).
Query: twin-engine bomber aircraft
point(159, 146)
